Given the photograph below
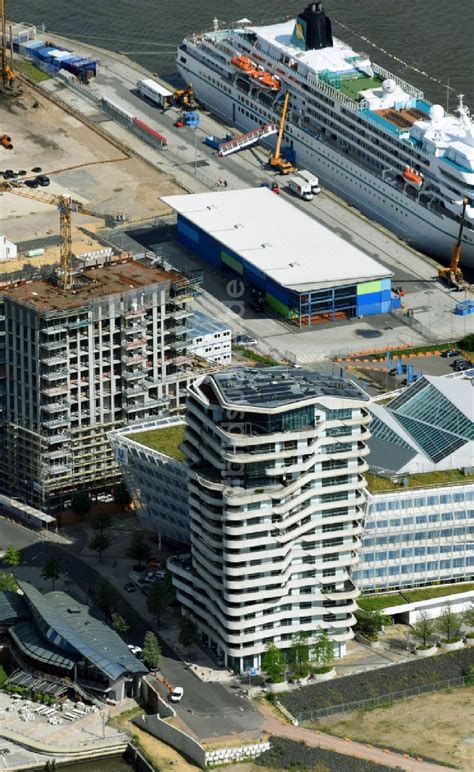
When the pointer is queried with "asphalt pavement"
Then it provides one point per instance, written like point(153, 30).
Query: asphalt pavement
point(209, 709)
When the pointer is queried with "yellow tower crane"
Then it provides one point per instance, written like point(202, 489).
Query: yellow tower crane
point(452, 275)
point(66, 206)
point(8, 75)
point(276, 160)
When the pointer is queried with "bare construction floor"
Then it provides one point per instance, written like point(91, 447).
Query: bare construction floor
point(81, 163)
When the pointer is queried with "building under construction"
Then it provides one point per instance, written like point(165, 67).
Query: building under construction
point(77, 363)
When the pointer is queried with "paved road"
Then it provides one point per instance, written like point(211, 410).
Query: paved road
point(205, 706)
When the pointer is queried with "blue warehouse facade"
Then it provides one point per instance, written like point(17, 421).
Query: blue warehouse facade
point(312, 300)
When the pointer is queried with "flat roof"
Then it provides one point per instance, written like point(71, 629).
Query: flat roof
point(201, 324)
point(277, 386)
point(278, 239)
point(95, 284)
point(166, 439)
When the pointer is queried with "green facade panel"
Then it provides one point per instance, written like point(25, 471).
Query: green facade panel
point(232, 262)
point(369, 286)
point(277, 305)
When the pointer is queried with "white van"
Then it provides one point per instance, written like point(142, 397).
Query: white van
point(311, 178)
point(300, 188)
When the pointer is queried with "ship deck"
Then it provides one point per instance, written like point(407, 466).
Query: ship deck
point(402, 119)
point(353, 86)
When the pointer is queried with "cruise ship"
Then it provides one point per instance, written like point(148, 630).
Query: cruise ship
point(371, 137)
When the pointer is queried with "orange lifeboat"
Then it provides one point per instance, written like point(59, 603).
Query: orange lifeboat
point(268, 80)
point(412, 177)
point(243, 63)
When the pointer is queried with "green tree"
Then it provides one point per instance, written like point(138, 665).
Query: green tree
point(139, 549)
point(370, 623)
point(467, 343)
point(299, 655)
point(101, 523)
point(423, 628)
point(468, 615)
point(449, 624)
point(81, 503)
point(99, 543)
point(187, 632)
point(323, 652)
point(151, 651)
point(160, 597)
point(119, 624)
point(51, 569)
point(105, 596)
point(273, 664)
point(8, 583)
point(11, 557)
point(121, 495)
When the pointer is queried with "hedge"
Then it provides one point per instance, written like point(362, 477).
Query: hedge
point(378, 683)
point(288, 754)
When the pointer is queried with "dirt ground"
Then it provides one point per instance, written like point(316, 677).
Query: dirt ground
point(438, 726)
point(79, 162)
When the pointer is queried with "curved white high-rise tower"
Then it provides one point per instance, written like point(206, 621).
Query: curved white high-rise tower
point(276, 464)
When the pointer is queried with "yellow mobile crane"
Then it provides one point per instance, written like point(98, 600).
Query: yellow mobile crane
point(276, 160)
point(66, 206)
point(452, 276)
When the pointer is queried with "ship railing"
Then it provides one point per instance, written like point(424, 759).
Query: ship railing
point(386, 74)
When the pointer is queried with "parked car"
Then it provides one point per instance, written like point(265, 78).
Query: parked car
point(245, 340)
point(450, 352)
point(461, 364)
point(32, 183)
point(129, 587)
point(394, 371)
point(136, 650)
point(177, 694)
point(43, 180)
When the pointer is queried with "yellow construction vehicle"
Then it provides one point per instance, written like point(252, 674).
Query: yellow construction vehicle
point(184, 97)
point(8, 76)
point(276, 160)
point(452, 276)
point(66, 206)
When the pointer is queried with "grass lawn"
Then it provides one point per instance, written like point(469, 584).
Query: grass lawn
point(30, 71)
point(379, 601)
point(249, 354)
point(376, 484)
point(165, 440)
point(434, 726)
point(351, 88)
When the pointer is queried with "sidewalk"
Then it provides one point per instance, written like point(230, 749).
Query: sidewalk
point(347, 746)
point(116, 568)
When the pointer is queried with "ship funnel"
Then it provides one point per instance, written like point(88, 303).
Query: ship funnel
point(312, 29)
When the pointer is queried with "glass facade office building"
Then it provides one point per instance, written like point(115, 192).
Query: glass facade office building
point(417, 537)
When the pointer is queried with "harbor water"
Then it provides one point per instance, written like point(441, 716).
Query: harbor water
point(431, 36)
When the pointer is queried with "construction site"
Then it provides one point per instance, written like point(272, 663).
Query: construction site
point(92, 338)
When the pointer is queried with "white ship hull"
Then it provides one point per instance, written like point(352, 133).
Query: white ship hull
point(423, 228)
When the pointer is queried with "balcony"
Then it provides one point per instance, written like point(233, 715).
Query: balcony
point(55, 391)
point(138, 342)
point(133, 313)
point(347, 591)
point(56, 407)
point(55, 344)
point(56, 375)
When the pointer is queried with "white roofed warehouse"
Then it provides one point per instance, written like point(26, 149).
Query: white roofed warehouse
point(297, 266)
